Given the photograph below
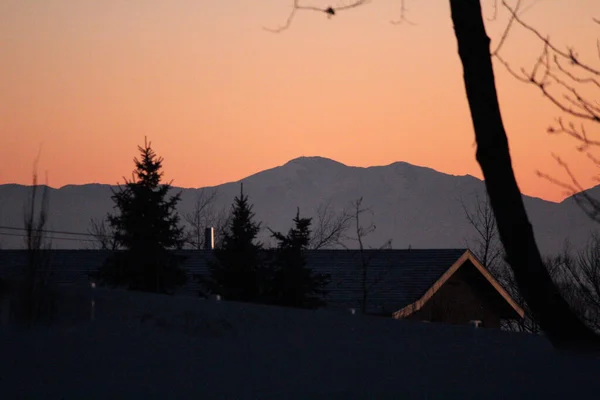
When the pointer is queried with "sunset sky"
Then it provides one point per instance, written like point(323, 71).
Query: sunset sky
point(220, 98)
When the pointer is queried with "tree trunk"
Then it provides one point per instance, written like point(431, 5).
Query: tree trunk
point(553, 313)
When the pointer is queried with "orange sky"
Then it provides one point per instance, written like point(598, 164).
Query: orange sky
point(220, 98)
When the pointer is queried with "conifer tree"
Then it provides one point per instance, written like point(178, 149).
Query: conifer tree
point(294, 284)
point(237, 272)
point(147, 228)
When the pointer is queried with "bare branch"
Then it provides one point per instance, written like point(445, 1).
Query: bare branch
point(200, 217)
point(578, 133)
point(577, 79)
point(523, 78)
point(105, 238)
point(579, 279)
point(495, 14)
point(330, 11)
point(367, 284)
point(586, 202)
point(37, 270)
point(330, 227)
point(402, 18)
point(203, 216)
point(482, 219)
point(560, 76)
point(34, 224)
point(508, 26)
point(570, 54)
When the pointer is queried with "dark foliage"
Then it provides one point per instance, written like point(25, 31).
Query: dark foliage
point(147, 227)
point(293, 283)
point(238, 271)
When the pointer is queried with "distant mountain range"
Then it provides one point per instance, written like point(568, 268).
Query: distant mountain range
point(413, 206)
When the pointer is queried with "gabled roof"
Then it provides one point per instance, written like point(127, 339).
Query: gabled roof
point(395, 279)
point(467, 258)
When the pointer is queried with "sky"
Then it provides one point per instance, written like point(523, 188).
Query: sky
point(220, 98)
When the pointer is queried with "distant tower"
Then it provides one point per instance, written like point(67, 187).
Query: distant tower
point(209, 238)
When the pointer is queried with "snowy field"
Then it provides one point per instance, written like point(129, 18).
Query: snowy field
point(153, 346)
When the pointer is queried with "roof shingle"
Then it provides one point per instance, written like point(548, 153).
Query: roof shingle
point(394, 278)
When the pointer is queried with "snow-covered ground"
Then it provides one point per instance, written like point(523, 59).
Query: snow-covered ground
point(153, 346)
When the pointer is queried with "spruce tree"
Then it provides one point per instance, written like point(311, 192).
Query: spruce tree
point(294, 284)
point(147, 228)
point(237, 272)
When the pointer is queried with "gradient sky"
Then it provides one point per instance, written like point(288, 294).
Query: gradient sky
point(220, 98)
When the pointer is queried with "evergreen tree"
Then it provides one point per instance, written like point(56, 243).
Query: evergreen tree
point(147, 228)
point(237, 272)
point(294, 284)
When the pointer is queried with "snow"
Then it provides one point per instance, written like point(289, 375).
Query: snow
point(154, 346)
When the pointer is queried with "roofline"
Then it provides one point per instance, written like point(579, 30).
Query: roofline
point(468, 255)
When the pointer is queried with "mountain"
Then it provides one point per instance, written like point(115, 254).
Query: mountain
point(414, 206)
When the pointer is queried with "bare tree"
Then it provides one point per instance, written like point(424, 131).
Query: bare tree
point(204, 215)
point(37, 270)
point(104, 236)
point(35, 217)
point(572, 85)
point(487, 248)
point(578, 276)
point(550, 309)
point(561, 325)
point(221, 222)
point(330, 227)
point(368, 282)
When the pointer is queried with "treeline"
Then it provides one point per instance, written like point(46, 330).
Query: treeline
point(147, 228)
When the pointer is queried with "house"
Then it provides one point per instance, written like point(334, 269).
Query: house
point(433, 285)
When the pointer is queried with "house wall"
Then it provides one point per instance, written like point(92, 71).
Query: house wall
point(458, 302)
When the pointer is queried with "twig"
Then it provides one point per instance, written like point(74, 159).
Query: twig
point(330, 11)
point(402, 17)
point(569, 54)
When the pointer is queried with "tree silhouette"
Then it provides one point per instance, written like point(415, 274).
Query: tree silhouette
point(38, 268)
point(561, 325)
point(330, 226)
point(293, 283)
point(147, 227)
point(103, 235)
point(238, 273)
point(202, 217)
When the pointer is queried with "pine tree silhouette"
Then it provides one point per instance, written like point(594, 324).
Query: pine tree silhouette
point(238, 272)
point(294, 284)
point(147, 228)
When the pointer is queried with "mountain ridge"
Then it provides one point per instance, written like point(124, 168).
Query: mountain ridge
point(412, 205)
point(322, 160)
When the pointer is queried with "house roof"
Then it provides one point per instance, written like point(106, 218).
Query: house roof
point(397, 281)
point(496, 294)
point(394, 279)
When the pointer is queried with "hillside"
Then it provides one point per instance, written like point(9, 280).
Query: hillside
point(414, 206)
point(155, 346)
